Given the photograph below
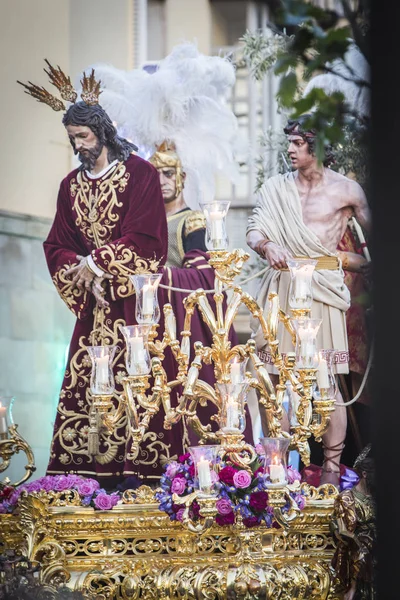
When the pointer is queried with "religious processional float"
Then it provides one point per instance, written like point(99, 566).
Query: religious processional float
point(228, 520)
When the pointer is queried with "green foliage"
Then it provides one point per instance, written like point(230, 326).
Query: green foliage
point(318, 41)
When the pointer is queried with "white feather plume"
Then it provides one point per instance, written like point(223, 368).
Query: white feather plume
point(183, 101)
point(353, 66)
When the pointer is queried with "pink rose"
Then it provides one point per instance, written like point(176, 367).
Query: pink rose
point(178, 485)
point(103, 502)
point(224, 506)
point(87, 487)
point(172, 469)
point(241, 479)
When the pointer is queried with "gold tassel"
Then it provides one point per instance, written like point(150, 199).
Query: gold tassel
point(93, 434)
point(93, 442)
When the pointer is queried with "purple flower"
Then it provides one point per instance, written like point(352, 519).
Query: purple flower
point(293, 475)
point(64, 482)
point(300, 501)
point(87, 487)
point(258, 501)
point(242, 479)
point(226, 475)
point(259, 448)
point(178, 485)
point(179, 514)
point(184, 457)
point(34, 486)
point(172, 469)
point(103, 501)
point(195, 509)
point(250, 521)
point(224, 506)
point(227, 519)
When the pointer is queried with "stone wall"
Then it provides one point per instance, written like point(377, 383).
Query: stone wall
point(35, 329)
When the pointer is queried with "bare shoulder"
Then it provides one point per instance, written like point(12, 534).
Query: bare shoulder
point(348, 188)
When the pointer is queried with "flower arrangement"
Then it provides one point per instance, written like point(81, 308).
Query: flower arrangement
point(89, 491)
point(240, 491)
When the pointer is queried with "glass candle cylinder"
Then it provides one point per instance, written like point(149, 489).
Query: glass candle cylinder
point(137, 357)
point(306, 342)
point(326, 386)
point(301, 273)
point(147, 310)
point(102, 377)
point(215, 213)
point(233, 402)
point(6, 418)
point(275, 465)
point(205, 462)
point(237, 370)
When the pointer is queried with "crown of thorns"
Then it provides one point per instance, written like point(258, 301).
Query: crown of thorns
point(90, 89)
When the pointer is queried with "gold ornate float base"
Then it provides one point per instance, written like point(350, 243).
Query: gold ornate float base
point(135, 552)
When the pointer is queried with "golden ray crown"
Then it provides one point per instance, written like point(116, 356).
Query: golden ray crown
point(90, 88)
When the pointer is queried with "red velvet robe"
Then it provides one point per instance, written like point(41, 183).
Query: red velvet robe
point(120, 220)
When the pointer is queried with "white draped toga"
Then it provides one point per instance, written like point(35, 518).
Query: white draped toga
point(278, 216)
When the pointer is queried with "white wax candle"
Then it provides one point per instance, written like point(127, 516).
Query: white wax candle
point(204, 473)
point(235, 372)
point(102, 370)
point(216, 225)
point(148, 299)
point(232, 415)
point(3, 420)
point(301, 286)
point(322, 374)
point(277, 473)
point(137, 348)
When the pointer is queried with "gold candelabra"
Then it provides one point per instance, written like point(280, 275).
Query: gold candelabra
point(12, 442)
point(141, 400)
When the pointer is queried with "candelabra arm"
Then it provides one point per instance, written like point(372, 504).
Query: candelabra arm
point(278, 498)
point(286, 320)
point(207, 510)
point(323, 409)
point(232, 308)
point(12, 445)
point(110, 419)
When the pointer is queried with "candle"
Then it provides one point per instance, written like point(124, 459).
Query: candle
point(232, 414)
point(137, 348)
point(3, 420)
point(102, 370)
point(323, 375)
point(204, 473)
point(217, 225)
point(235, 372)
point(276, 472)
point(148, 299)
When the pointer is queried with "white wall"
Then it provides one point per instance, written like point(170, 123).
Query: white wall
point(34, 153)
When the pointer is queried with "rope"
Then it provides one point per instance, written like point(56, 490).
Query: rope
point(175, 289)
point(363, 382)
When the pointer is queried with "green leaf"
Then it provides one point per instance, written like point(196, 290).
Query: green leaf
point(287, 89)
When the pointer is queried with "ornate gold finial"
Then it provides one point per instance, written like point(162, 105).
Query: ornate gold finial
point(90, 89)
point(42, 95)
point(62, 82)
